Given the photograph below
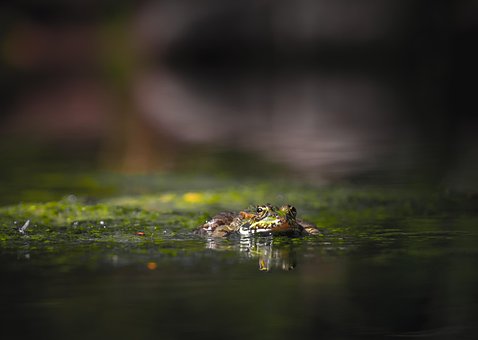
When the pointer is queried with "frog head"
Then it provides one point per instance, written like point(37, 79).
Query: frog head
point(264, 218)
point(268, 218)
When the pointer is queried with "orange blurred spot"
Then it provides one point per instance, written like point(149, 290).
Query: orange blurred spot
point(152, 265)
point(140, 233)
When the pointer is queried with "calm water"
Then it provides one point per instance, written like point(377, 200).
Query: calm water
point(372, 281)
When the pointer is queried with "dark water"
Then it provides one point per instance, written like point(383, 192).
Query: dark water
point(374, 281)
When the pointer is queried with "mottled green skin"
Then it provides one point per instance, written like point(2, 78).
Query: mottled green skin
point(266, 219)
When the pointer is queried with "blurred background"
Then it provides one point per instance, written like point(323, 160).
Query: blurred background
point(327, 90)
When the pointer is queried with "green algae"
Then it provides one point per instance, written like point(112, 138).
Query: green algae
point(345, 215)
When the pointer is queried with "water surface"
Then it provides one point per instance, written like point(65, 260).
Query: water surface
point(389, 263)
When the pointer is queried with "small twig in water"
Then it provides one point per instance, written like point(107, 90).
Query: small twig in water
point(24, 227)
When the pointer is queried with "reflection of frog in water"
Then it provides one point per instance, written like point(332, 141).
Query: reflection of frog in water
point(265, 220)
point(270, 255)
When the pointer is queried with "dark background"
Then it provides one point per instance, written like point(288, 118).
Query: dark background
point(330, 90)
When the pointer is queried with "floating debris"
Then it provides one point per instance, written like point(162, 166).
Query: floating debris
point(24, 227)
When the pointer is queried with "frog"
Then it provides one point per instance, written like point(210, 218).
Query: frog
point(265, 219)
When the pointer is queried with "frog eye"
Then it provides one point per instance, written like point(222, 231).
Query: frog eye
point(259, 209)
